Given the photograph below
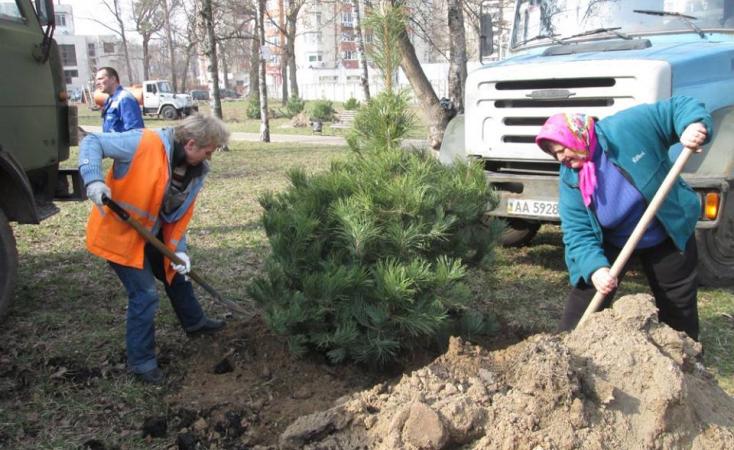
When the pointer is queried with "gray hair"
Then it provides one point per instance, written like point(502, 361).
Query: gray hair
point(204, 129)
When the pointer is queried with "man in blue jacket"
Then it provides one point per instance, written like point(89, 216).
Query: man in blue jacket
point(610, 170)
point(121, 112)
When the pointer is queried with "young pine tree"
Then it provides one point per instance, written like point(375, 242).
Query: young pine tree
point(368, 258)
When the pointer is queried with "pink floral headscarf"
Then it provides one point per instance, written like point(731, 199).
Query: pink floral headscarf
point(576, 132)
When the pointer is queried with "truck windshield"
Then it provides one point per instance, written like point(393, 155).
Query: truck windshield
point(164, 87)
point(565, 18)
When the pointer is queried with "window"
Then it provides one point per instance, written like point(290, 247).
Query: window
point(108, 47)
point(313, 37)
point(91, 50)
point(347, 19)
point(328, 79)
point(317, 19)
point(68, 54)
point(314, 58)
point(354, 78)
point(348, 54)
point(61, 20)
point(347, 36)
point(69, 74)
point(9, 11)
point(151, 88)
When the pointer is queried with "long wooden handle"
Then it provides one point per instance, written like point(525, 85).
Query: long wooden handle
point(640, 229)
point(155, 242)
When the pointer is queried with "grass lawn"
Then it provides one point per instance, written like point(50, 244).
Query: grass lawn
point(233, 112)
point(62, 357)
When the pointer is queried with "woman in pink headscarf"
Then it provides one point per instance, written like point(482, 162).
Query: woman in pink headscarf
point(610, 170)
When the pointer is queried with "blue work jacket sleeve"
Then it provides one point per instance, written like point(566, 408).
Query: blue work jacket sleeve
point(95, 146)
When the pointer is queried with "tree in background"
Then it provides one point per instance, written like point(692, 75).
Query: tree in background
point(364, 79)
point(115, 8)
point(457, 54)
point(207, 16)
point(147, 22)
point(169, 7)
point(264, 121)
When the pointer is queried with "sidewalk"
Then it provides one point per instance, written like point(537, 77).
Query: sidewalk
point(314, 139)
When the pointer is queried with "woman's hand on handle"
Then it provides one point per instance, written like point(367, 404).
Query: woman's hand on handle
point(603, 281)
point(694, 136)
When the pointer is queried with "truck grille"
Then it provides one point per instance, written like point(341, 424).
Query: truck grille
point(507, 105)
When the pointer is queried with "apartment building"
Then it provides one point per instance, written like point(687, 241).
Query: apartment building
point(81, 55)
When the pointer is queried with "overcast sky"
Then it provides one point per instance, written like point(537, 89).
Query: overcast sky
point(85, 11)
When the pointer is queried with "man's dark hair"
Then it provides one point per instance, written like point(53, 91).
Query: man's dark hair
point(110, 73)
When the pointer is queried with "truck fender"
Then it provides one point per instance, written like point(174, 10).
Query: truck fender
point(452, 146)
point(16, 198)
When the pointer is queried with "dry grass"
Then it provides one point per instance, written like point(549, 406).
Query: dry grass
point(62, 378)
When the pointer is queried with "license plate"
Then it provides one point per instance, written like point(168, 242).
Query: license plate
point(542, 208)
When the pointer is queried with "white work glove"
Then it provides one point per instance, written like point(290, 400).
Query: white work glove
point(603, 281)
point(95, 190)
point(184, 268)
point(693, 136)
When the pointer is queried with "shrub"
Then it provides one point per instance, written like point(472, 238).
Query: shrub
point(294, 106)
point(351, 104)
point(321, 110)
point(368, 258)
point(382, 122)
point(253, 108)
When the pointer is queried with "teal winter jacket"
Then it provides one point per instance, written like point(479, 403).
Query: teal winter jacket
point(636, 140)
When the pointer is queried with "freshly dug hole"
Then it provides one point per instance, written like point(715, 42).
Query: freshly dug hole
point(623, 380)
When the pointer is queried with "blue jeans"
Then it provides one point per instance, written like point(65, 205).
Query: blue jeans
point(143, 304)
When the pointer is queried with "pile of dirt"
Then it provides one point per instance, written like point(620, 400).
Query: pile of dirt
point(622, 380)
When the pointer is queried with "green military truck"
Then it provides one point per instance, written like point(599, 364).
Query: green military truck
point(37, 127)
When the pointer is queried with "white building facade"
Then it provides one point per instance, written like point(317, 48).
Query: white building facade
point(81, 55)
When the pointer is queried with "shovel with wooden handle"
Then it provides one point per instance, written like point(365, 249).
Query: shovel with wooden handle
point(640, 229)
point(153, 240)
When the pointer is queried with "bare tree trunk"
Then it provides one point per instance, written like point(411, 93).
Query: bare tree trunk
point(363, 77)
point(114, 8)
point(187, 64)
point(167, 6)
point(254, 73)
point(457, 54)
point(225, 70)
point(436, 116)
point(206, 12)
point(284, 75)
point(146, 58)
point(291, 47)
point(264, 123)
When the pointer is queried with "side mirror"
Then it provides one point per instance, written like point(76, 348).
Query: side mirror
point(486, 36)
point(45, 11)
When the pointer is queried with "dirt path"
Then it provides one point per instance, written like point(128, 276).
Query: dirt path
point(622, 381)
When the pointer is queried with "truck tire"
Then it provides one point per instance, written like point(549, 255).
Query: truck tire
point(168, 112)
point(8, 265)
point(716, 250)
point(518, 232)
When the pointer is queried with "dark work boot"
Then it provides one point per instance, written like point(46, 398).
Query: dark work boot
point(154, 376)
point(210, 326)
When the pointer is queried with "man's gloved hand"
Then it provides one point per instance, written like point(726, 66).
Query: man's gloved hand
point(95, 190)
point(184, 268)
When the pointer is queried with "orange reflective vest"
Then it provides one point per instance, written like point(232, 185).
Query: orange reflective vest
point(141, 193)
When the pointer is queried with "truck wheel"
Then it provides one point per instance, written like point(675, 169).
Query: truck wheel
point(716, 250)
point(518, 232)
point(169, 113)
point(8, 265)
